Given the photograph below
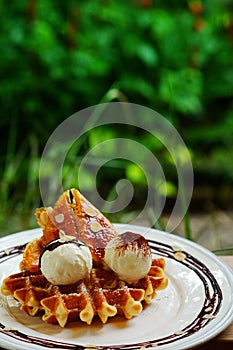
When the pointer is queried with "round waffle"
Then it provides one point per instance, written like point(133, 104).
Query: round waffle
point(103, 294)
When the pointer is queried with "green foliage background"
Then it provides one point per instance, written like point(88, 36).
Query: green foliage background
point(60, 57)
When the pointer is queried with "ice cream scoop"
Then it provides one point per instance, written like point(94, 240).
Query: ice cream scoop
point(129, 256)
point(65, 261)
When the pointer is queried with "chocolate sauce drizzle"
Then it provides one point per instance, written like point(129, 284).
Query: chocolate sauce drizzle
point(210, 308)
point(11, 252)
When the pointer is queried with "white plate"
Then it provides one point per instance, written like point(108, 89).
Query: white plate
point(195, 307)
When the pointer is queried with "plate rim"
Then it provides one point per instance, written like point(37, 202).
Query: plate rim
point(223, 323)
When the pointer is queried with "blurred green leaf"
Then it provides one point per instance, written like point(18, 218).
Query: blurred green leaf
point(166, 188)
point(183, 90)
point(135, 174)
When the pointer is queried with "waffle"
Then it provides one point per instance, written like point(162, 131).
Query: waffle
point(102, 295)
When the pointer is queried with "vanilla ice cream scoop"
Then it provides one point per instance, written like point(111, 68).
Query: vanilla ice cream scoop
point(65, 261)
point(129, 256)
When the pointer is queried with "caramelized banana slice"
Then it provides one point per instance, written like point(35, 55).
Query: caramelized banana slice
point(50, 231)
point(31, 256)
point(77, 217)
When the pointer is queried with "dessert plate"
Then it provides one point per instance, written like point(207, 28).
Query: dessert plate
point(195, 307)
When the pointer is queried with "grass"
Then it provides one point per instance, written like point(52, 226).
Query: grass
point(20, 195)
point(19, 192)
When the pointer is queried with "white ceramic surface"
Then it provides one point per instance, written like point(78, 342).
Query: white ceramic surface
point(195, 307)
